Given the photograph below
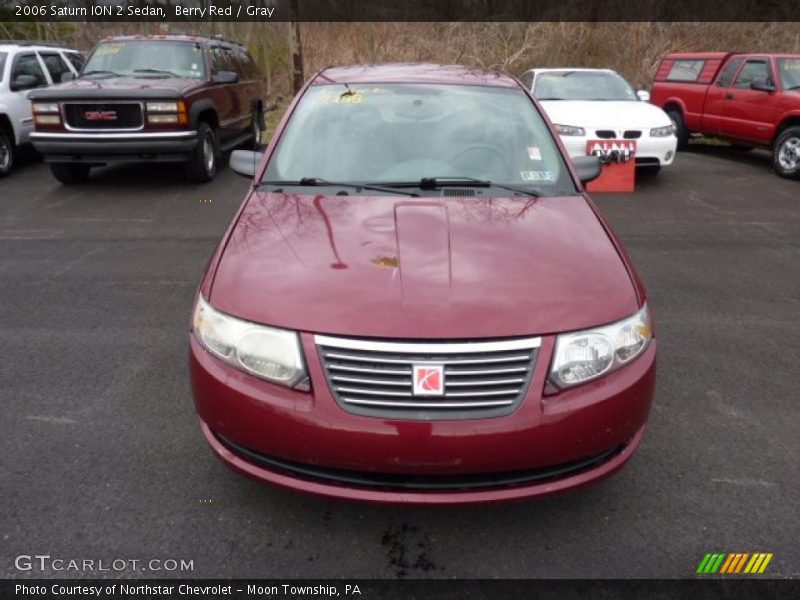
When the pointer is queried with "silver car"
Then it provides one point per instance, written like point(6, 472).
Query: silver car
point(23, 67)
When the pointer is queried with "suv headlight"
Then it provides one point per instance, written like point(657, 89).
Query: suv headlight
point(665, 131)
point(266, 352)
point(581, 356)
point(45, 107)
point(167, 107)
point(569, 130)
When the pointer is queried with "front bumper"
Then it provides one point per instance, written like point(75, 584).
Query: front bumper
point(651, 149)
point(63, 147)
point(306, 442)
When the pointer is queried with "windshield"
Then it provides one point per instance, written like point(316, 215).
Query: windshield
point(146, 59)
point(2, 65)
point(789, 69)
point(582, 85)
point(402, 133)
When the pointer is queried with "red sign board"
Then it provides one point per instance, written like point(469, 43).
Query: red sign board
point(619, 165)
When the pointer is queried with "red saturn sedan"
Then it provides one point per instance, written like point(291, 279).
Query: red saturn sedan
point(417, 301)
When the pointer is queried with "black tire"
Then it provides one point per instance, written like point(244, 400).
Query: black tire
point(786, 153)
point(258, 131)
point(68, 173)
point(6, 154)
point(202, 167)
point(648, 170)
point(680, 128)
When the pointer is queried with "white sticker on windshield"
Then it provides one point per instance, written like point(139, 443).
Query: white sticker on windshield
point(537, 175)
point(534, 153)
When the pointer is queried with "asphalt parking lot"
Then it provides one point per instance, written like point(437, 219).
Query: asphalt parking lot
point(103, 458)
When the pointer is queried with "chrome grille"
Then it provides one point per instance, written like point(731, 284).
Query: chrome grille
point(481, 379)
point(103, 115)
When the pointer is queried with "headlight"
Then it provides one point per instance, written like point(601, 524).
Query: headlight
point(665, 131)
point(162, 119)
point(47, 119)
point(585, 355)
point(45, 107)
point(170, 107)
point(266, 352)
point(569, 130)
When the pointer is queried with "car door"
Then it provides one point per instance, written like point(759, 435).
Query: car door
point(19, 107)
point(222, 94)
point(716, 96)
point(750, 114)
point(55, 64)
point(240, 98)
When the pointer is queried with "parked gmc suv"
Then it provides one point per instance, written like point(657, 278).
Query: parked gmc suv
point(23, 67)
point(749, 99)
point(173, 98)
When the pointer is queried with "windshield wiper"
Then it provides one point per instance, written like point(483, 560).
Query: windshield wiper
point(101, 72)
point(793, 87)
point(157, 72)
point(431, 183)
point(316, 181)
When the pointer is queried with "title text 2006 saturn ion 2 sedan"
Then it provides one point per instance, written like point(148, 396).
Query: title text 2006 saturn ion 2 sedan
point(417, 302)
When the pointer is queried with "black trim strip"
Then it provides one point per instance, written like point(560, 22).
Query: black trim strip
point(418, 482)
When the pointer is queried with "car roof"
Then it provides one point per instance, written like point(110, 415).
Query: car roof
point(556, 69)
point(172, 37)
point(6, 47)
point(414, 73)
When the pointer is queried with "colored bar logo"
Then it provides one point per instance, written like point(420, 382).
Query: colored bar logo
point(734, 562)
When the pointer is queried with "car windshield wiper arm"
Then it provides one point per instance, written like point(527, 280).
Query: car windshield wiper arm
point(101, 72)
point(430, 183)
point(156, 72)
point(316, 181)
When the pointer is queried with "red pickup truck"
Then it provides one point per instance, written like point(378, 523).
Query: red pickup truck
point(749, 99)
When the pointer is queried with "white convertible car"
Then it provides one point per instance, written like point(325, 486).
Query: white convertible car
point(592, 104)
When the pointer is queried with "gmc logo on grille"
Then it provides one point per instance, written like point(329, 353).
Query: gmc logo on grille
point(100, 115)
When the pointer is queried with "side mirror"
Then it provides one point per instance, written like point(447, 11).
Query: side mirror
point(224, 77)
point(643, 95)
point(245, 162)
point(588, 168)
point(762, 84)
point(24, 82)
point(68, 76)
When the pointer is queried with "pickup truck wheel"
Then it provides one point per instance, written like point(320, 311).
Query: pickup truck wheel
point(202, 167)
point(69, 173)
point(786, 153)
point(6, 154)
point(680, 128)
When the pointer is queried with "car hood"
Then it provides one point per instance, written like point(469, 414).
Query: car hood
point(422, 268)
point(118, 87)
point(625, 114)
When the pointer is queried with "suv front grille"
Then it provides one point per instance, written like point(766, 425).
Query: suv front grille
point(480, 379)
point(116, 115)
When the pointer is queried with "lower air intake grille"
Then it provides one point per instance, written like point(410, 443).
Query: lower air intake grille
point(462, 380)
